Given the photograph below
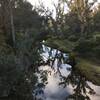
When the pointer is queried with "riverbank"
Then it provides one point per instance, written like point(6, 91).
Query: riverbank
point(89, 68)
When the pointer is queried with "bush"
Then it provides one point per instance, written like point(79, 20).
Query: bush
point(73, 38)
point(85, 46)
point(13, 83)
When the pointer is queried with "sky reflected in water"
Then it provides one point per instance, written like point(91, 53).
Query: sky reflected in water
point(54, 91)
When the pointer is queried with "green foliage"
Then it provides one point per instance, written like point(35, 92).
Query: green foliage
point(61, 44)
point(75, 33)
point(89, 47)
point(31, 18)
point(73, 38)
point(14, 81)
point(96, 19)
point(85, 46)
point(74, 23)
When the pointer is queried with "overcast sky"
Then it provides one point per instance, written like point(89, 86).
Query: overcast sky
point(49, 4)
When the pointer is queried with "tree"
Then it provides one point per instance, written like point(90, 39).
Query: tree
point(83, 10)
point(7, 17)
point(12, 14)
point(32, 20)
point(96, 19)
point(12, 21)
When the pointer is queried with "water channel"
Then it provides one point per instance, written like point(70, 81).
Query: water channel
point(57, 80)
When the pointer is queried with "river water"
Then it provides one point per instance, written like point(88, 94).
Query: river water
point(60, 81)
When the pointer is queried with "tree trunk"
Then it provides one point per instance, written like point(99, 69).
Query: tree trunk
point(12, 26)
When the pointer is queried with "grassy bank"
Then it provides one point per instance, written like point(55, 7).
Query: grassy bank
point(90, 70)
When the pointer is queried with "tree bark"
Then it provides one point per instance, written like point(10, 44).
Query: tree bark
point(12, 25)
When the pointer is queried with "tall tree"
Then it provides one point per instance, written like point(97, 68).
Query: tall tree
point(7, 17)
point(96, 18)
point(11, 2)
point(83, 10)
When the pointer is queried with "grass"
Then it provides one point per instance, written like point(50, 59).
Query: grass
point(90, 70)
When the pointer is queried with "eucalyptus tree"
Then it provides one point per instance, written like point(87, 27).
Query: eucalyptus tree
point(83, 9)
point(96, 19)
point(16, 80)
point(7, 17)
point(53, 19)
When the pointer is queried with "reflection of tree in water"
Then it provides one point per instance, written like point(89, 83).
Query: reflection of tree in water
point(33, 69)
point(38, 92)
point(79, 82)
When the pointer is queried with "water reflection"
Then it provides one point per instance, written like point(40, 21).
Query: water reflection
point(59, 81)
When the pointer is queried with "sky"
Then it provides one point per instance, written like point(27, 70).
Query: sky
point(49, 4)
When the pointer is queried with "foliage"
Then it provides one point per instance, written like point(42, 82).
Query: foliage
point(22, 29)
point(96, 20)
point(13, 76)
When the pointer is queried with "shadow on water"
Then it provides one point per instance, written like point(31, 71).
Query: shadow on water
point(55, 74)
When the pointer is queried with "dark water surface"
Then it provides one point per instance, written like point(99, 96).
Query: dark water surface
point(59, 81)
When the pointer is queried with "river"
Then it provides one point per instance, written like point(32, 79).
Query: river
point(60, 81)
